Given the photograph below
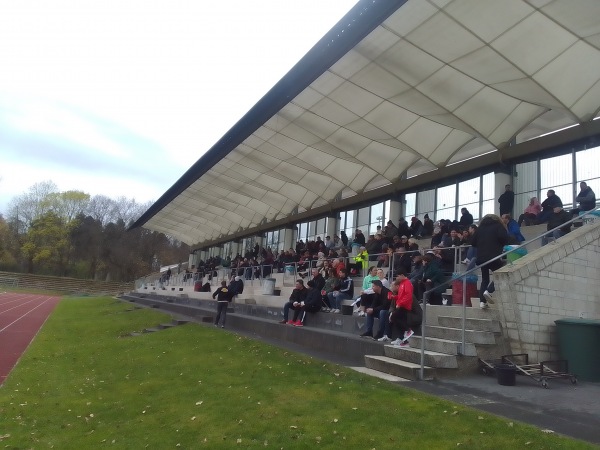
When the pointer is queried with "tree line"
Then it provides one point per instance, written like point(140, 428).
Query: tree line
point(73, 234)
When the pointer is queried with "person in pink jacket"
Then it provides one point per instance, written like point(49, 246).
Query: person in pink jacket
point(531, 212)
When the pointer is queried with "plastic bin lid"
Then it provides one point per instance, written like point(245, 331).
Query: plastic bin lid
point(576, 321)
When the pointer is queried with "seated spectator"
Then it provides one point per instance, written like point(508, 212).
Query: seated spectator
point(344, 291)
point(471, 255)
point(344, 238)
point(366, 288)
point(310, 304)
point(552, 201)
point(436, 238)
point(390, 231)
point(531, 213)
point(514, 232)
point(361, 262)
point(558, 217)
point(331, 283)
point(586, 199)
point(236, 287)
point(378, 303)
point(320, 260)
point(432, 277)
point(384, 259)
point(402, 261)
point(295, 301)
point(318, 279)
point(359, 238)
point(416, 228)
point(403, 227)
point(329, 244)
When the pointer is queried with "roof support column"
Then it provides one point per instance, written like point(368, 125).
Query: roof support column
point(289, 237)
point(397, 209)
point(331, 227)
point(235, 248)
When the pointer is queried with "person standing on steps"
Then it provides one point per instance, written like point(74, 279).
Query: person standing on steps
point(489, 239)
point(506, 200)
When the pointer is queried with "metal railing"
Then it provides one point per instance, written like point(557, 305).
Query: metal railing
point(582, 217)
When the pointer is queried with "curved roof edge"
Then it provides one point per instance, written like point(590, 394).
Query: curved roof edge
point(349, 31)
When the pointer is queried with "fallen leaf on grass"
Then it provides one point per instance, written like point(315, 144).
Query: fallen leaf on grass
point(547, 431)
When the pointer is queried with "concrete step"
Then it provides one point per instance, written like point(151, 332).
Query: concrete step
point(455, 334)
point(440, 345)
point(151, 330)
point(413, 355)
point(457, 311)
point(471, 324)
point(179, 321)
point(397, 367)
point(163, 326)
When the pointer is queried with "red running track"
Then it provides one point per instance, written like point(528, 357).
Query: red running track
point(21, 317)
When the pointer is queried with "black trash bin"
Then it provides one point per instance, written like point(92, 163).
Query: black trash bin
point(578, 342)
point(506, 374)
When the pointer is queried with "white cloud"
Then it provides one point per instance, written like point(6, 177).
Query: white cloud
point(150, 85)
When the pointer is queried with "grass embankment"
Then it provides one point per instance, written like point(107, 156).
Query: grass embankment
point(83, 384)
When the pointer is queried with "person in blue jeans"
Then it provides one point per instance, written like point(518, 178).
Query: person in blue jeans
point(379, 301)
point(344, 291)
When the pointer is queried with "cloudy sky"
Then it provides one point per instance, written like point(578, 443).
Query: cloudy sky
point(122, 97)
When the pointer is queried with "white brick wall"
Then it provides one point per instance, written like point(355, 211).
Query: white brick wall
point(556, 281)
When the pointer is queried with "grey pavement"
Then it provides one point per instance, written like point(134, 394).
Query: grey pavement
point(567, 409)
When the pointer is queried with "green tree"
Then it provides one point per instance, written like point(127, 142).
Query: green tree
point(47, 245)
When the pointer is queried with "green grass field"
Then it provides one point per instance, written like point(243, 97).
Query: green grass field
point(85, 383)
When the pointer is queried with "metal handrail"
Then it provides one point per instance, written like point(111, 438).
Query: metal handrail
point(463, 275)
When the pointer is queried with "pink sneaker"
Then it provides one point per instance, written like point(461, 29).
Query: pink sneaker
point(298, 323)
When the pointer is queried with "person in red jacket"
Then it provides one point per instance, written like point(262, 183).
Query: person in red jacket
point(405, 311)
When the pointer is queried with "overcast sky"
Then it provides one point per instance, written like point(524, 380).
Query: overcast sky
point(122, 97)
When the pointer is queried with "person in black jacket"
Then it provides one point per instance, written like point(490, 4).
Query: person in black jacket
point(489, 239)
point(380, 301)
point(558, 217)
point(552, 201)
point(311, 304)
point(507, 200)
point(223, 298)
point(586, 199)
point(295, 302)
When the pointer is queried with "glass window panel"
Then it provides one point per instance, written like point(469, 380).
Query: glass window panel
point(311, 230)
point(350, 223)
point(487, 207)
point(488, 181)
point(363, 218)
point(425, 204)
point(302, 231)
point(446, 202)
point(377, 217)
point(411, 204)
point(556, 171)
point(468, 191)
point(525, 185)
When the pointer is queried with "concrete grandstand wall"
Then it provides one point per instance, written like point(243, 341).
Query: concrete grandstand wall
point(559, 280)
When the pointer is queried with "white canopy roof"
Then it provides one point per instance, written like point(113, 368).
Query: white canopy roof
point(429, 84)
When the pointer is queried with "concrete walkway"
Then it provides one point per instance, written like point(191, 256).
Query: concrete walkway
point(564, 408)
